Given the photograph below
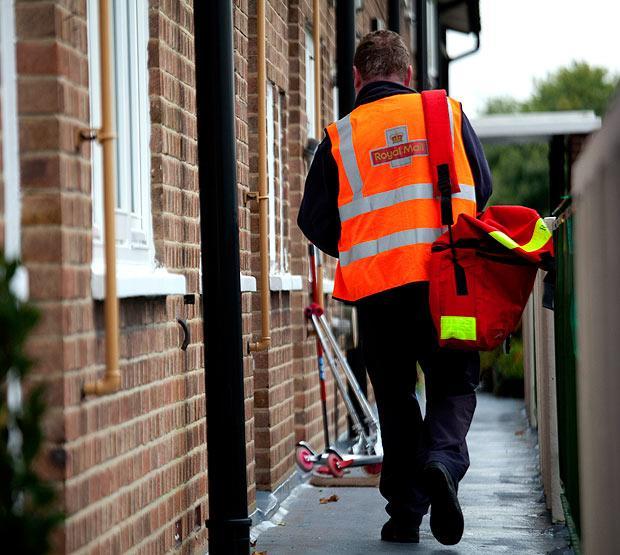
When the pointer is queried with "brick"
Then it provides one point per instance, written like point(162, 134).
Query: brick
point(136, 459)
point(40, 209)
point(35, 20)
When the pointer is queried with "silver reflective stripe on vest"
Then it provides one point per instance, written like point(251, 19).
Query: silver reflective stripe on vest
point(385, 199)
point(389, 242)
point(347, 153)
point(451, 114)
point(468, 192)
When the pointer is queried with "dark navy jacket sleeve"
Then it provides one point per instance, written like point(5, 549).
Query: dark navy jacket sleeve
point(478, 163)
point(318, 217)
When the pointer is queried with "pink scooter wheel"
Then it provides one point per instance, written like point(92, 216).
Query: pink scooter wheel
point(333, 463)
point(373, 469)
point(303, 458)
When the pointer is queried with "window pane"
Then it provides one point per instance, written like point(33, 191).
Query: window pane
point(94, 77)
point(271, 180)
point(282, 233)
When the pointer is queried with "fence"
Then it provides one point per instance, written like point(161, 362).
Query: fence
point(572, 371)
point(596, 194)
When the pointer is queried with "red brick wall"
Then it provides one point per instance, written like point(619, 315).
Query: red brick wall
point(241, 53)
point(132, 464)
point(135, 460)
point(308, 419)
point(56, 238)
point(273, 373)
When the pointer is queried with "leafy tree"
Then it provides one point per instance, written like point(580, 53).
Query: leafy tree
point(27, 513)
point(520, 175)
point(576, 87)
point(521, 171)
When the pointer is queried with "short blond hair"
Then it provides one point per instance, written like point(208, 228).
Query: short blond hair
point(381, 54)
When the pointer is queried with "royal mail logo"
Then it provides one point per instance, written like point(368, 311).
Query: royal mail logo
point(399, 150)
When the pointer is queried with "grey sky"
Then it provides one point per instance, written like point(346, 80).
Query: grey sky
point(526, 39)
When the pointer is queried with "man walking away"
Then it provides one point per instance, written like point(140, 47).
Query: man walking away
point(369, 201)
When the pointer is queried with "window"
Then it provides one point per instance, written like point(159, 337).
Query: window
point(271, 181)
point(432, 30)
point(134, 231)
point(284, 267)
point(279, 277)
point(10, 145)
point(310, 100)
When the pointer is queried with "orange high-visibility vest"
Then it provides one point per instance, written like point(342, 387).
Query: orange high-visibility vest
point(389, 209)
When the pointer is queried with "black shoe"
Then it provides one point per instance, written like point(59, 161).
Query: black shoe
point(395, 532)
point(446, 515)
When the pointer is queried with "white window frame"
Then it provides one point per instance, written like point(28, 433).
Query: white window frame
point(10, 146)
point(137, 271)
point(310, 53)
point(280, 278)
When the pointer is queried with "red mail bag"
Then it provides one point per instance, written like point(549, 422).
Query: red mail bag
point(482, 270)
point(480, 280)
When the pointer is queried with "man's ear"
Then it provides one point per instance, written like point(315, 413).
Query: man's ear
point(357, 79)
point(409, 76)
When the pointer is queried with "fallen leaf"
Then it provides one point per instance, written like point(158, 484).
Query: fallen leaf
point(259, 553)
point(520, 432)
point(281, 523)
point(330, 499)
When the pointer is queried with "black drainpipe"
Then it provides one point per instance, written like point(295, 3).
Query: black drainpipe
point(228, 523)
point(345, 49)
point(394, 15)
point(421, 55)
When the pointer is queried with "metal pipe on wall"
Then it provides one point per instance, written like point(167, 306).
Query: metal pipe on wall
point(345, 50)
point(394, 15)
point(229, 525)
point(263, 188)
point(318, 119)
point(111, 381)
point(421, 55)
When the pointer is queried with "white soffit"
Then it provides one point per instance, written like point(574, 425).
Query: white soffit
point(534, 126)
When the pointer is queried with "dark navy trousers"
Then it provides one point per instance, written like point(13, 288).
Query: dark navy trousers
point(396, 331)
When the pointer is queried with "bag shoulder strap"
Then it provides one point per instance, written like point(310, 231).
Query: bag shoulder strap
point(441, 152)
point(445, 179)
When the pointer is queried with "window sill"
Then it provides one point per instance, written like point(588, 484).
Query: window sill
point(285, 282)
point(138, 281)
point(248, 283)
point(19, 284)
point(328, 286)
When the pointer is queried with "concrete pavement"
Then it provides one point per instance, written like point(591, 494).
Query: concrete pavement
point(501, 497)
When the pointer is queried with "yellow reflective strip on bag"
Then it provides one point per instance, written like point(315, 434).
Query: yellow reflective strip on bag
point(503, 239)
point(539, 238)
point(458, 327)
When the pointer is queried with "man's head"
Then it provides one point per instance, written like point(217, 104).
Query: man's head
point(381, 56)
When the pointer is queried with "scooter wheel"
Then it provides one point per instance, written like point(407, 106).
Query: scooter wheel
point(373, 469)
point(333, 463)
point(303, 458)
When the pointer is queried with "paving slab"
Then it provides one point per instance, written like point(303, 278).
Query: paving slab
point(501, 495)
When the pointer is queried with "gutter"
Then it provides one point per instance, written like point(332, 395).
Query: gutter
point(228, 523)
